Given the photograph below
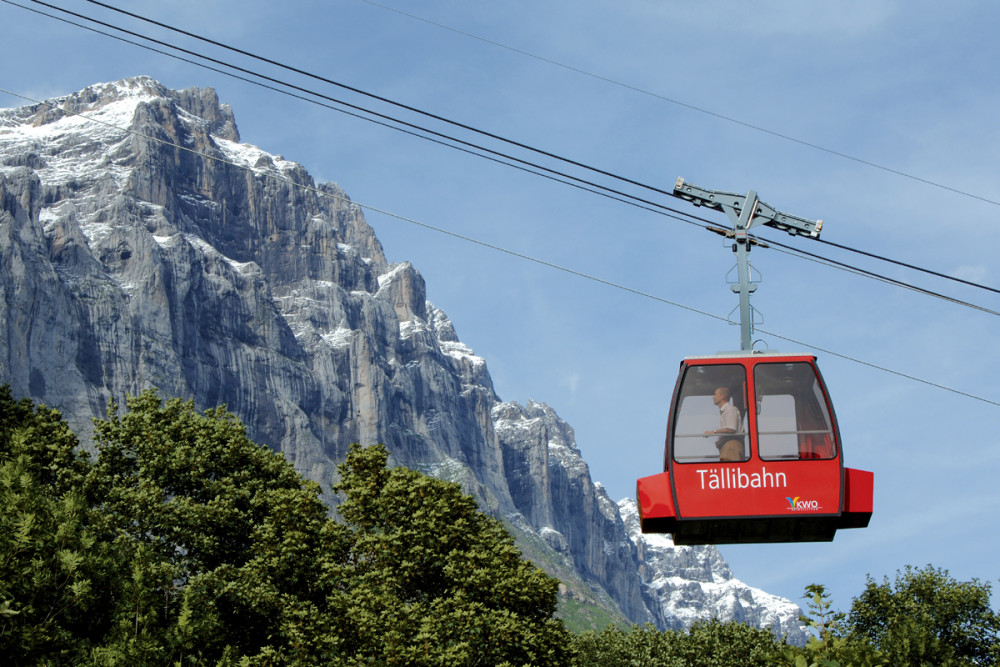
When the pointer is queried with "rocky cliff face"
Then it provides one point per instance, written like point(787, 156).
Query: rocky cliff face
point(692, 583)
point(143, 246)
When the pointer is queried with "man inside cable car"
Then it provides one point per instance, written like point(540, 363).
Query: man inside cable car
point(730, 442)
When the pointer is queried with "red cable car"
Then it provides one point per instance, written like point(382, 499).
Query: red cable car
point(753, 454)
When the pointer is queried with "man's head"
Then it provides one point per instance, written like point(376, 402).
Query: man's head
point(721, 396)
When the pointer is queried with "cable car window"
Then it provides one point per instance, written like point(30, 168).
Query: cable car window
point(793, 421)
point(710, 417)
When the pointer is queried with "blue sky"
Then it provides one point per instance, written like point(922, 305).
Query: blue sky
point(910, 87)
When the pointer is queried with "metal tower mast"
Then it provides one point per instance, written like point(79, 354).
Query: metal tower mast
point(745, 212)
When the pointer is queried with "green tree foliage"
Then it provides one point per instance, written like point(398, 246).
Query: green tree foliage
point(436, 581)
point(185, 543)
point(231, 552)
point(53, 568)
point(926, 617)
point(640, 645)
point(829, 645)
point(716, 643)
point(706, 644)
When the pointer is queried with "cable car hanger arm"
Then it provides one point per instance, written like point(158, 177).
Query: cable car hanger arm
point(733, 205)
point(746, 211)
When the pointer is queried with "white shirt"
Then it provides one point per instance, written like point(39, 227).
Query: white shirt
point(730, 418)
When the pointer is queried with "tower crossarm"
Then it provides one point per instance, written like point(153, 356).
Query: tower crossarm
point(762, 214)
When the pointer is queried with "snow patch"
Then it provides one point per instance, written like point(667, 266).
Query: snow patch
point(95, 231)
point(166, 241)
point(250, 156)
point(449, 470)
point(409, 328)
point(207, 248)
point(390, 275)
point(461, 352)
point(242, 267)
point(340, 337)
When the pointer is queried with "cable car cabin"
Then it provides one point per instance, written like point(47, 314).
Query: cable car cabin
point(753, 455)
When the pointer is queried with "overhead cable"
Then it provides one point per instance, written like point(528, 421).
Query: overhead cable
point(909, 266)
point(385, 117)
point(580, 274)
point(871, 274)
point(686, 105)
point(524, 146)
point(468, 147)
point(380, 98)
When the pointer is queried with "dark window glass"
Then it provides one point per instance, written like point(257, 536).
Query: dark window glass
point(793, 421)
point(710, 418)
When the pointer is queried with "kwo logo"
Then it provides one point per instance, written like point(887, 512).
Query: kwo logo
point(796, 504)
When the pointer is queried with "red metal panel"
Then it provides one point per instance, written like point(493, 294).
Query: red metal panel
point(859, 492)
point(655, 497)
point(758, 488)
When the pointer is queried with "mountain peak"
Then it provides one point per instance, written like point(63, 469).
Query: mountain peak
point(143, 245)
point(115, 103)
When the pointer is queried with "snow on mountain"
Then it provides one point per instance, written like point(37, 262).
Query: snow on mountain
point(144, 245)
point(693, 583)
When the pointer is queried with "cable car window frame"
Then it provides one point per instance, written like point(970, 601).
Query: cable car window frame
point(707, 417)
point(811, 413)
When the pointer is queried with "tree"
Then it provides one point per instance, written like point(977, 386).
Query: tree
point(927, 618)
point(639, 645)
point(716, 643)
point(829, 646)
point(186, 543)
point(435, 581)
point(54, 569)
point(705, 644)
point(231, 553)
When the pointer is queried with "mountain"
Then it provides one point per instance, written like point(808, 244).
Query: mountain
point(691, 583)
point(143, 245)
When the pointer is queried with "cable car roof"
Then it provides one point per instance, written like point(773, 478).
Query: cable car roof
point(743, 354)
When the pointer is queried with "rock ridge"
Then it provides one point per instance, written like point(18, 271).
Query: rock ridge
point(143, 245)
